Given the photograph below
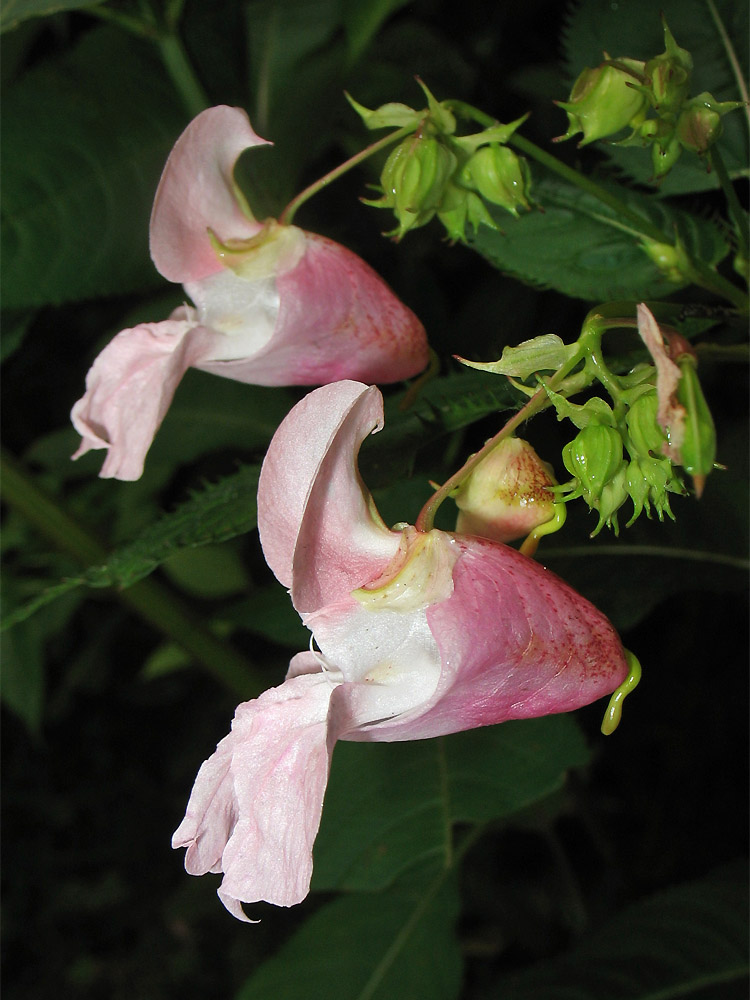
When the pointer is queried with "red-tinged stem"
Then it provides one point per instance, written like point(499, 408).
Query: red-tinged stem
point(289, 212)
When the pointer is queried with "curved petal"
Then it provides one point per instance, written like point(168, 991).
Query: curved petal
point(255, 808)
point(197, 193)
point(315, 519)
point(338, 320)
point(129, 388)
point(515, 642)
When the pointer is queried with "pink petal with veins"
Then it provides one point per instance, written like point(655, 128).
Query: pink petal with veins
point(515, 642)
point(197, 193)
point(337, 320)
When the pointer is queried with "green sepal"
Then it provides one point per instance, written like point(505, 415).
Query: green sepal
point(545, 353)
point(390, 115)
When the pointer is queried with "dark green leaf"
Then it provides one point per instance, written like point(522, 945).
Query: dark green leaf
point(446, 404)
point(269, 612)
point(80, 172)
point(15, 11)
point(580, 247)
point(362, 21)
point(635, 30)
point(390, 806)
point(690, 940)
point(221, 511)
point(394, 945)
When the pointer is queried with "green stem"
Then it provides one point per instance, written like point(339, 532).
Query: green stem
point(733, 202)
point(134, 26)
point(182, 74)
point(701, 273)
point(152, 601)
point(734, 62)
point(536, 403)
point(289, 212)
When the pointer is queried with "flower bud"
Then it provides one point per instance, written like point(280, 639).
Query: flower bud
point(665, 152)
point(649, 481)
point(460, 208)
point(671, 259)
point(594, 456)
point(699, 124)
point(669, 75)
point(507, 494)
point(646, 437)
point(414, 179)
point(603, 101)
point(500, 176)
point(613, 496)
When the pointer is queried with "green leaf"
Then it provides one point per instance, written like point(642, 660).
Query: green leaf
point(395, 945)
point(635, 30)
point(15, 11)
point(80, 172)
point(296, 65)
point(220, 511)
point(690, 940)
point(391, 806)
point(362, 21)
point(578, 245)
point(269, 612)
point(23, 657)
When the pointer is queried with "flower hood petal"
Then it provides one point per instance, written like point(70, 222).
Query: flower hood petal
point(129, 388)
point(197, 193)
point(337, 320)
point(317, 525)
point(256, 804)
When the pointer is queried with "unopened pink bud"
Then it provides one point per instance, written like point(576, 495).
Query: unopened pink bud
point(507, 495)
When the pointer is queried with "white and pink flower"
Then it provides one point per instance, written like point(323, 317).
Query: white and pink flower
point(272, 304)
point(419, 634)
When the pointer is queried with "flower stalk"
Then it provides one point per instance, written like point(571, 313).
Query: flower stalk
point(290, 211)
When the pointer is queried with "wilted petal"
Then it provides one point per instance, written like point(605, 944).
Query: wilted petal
point(309, 479)
point(197, 193)
point(670, 414)
point(338, 320)
point(261, 794)
point(129, 388)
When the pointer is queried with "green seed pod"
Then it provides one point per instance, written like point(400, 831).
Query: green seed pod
point(603, 100)
point(698, 447)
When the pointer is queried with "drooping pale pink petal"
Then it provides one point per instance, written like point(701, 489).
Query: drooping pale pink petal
point(197, 193)
point(515, 642)
point(671, 413)
point(256, 804)
point(129, 388)
point(309, 477)
point(337, 320)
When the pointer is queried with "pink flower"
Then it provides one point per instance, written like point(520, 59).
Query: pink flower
point(273, 305)
point(420, 634)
